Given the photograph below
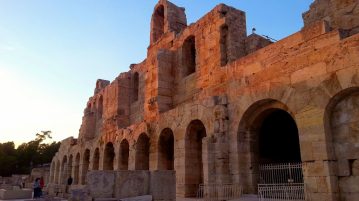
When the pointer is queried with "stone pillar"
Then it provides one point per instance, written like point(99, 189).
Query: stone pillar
point(132, 157)
point(222, 162)
point(220, 140)
point(208, 161)
point(51, 173)
point(317, 156)
point(179, 166)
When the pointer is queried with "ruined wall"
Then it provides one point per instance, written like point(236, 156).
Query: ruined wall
point(340, 14)
point(196, 105)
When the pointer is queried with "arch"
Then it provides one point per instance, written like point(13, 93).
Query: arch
point(77, 169)
point(124, 154)
point(224, 44)
point(96, 159)
point(136, 84)
point(57, 173)
point(189, 56)
point(341, 126)
point(52, 172)
point(64, 170)
point(109, 156)
point(195, 133)
point(142, 152)
point(69, 169)
point(158, 23)
point(100, 107)
point(166, 150)
point(268, 134)
point(85, 165)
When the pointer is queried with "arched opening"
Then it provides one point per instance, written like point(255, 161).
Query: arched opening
point(342, 120)
point(136, 81)
point(223, 45)
point(166, 150)
point(69, 169)
point(269, 135)
point(77, 169)
point(124, 154)
point(142, 152)
point(193, 157)
point(108, 157)
point(57, 173)
point(100, 107)
point(158, 23)
point(278, 138)
point(52, 172)
point(64, 169)
point(96, 159)
point(189, 56)
point(85, 165)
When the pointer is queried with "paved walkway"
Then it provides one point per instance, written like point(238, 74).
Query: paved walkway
point(243, 198)
point(30, 200)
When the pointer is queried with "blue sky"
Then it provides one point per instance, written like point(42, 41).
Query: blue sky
point(52, 52)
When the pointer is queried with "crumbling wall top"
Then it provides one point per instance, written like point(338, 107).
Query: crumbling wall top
point(101, 84)
point(167, 17)
point(339, 14)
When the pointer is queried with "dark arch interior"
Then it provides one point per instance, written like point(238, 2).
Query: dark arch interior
point(124, 153)
point(85, 166)
point(193, 154)
point(189, 56)
point(158, 23)
point(135, 86)
point(142, 153)
point(77, 169)
point(223, 45)
point(109, 156)
point(96, 159)
point(166, 150)
point(100, 107)
point(278, 139)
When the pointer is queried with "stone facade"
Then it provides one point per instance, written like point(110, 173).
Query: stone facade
point(210, 104)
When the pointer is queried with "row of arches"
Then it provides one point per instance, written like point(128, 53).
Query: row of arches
point(271, 136)
point(267, 133)
point(61, 170)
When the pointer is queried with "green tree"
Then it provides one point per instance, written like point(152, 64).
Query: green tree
point(7, 158)
point(27, 155)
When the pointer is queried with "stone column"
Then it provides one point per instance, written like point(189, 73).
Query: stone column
point(317, 156)
point(132, 157)
point(208, 161)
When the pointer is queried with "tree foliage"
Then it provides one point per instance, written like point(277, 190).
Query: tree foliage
point(27, 155)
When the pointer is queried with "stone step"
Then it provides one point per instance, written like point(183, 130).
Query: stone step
point(248, 197)
point(138, 198)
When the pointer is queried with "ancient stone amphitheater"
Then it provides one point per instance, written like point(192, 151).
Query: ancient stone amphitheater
point(213, 111)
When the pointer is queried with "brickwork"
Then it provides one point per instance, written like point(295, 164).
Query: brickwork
point(199, 101)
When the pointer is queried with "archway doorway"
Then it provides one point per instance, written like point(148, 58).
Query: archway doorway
point(64, 171)
point(96, 159)
point(269, 149)
point(69, 170)
point(77, 169)
point(278, 138)
point(193, 157)
point(158, 23)
point(85, 166)
point(57, 173)
point(109, 155)
point(166, 150)
point(342, 120)
point(123, 156)
point(142, 152)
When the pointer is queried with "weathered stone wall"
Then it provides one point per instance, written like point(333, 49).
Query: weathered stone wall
point(197, 103)
point(340, 14)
